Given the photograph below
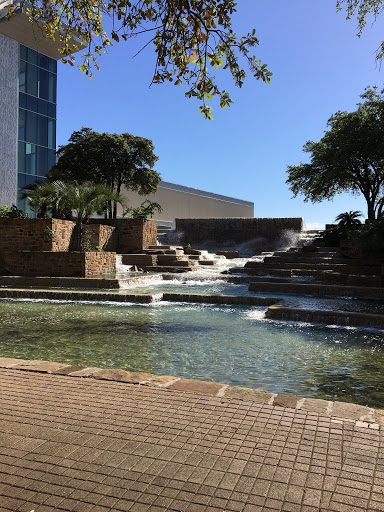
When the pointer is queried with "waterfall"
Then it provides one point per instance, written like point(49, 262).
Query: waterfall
point(120, 267)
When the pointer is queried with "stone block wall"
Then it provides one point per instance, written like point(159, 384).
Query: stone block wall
point(230, 232)
point(141, 260)
point(132, 234)
point(105, 237)
point(35, 234)
point(98, 263)
point(69, 264)
point(62, 231)
point(120, 235)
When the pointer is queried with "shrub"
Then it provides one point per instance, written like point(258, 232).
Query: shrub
point(145, 210)
point(12, 212)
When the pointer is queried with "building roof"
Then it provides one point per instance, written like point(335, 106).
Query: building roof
point(20, 28)
point(204, 193)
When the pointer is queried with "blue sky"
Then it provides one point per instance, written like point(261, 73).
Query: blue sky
point(319, 66)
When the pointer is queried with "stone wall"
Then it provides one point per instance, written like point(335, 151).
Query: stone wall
point(62, 233)
point(141, 260)
point(132, 234)
point(264, 233)
point(104, 237)
point(69, 264)
point(35, 234)
point(52, 235)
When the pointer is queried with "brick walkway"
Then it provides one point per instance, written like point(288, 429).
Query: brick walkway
point(83, 445)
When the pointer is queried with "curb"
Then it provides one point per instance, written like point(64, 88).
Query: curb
point(341, 412)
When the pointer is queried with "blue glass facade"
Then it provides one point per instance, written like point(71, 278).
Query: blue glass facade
point(37, 117)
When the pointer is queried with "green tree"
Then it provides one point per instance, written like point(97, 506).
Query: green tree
point(363, 9)
point(43, 197)
point(349, 158)
point(191, 38)
point(109, 159)
point(349, 220)
point(84, 199)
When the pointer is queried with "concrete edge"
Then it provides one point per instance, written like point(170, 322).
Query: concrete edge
point(341, 412)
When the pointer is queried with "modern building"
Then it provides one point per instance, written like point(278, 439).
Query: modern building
point(28, 79)
point(178, 201)
point(28, 82)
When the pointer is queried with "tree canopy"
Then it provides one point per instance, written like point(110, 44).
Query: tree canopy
point(108, 159)
point(191, 38)
point(349, 158)
point(363, 9)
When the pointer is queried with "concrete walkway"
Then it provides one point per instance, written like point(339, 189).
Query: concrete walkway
point(83, 445)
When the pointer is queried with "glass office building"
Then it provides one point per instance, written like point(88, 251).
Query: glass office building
point(28, 65)
point(37, 117)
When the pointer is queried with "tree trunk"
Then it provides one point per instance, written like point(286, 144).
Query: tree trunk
point(371, 210)
point(118, 190)
point(79, 239)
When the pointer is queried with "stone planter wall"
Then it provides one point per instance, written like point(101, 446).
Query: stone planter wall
point(35, 234)
point(132, 234)
point(105, 237)
point(69, 264)
point(120, 235)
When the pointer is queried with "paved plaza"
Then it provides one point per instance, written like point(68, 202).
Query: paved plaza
point(87, 445)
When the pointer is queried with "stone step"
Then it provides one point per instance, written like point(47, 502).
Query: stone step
point(169, 269)
point(279, 279)
point(349, 279)
point(170, 259)
point(207, 262)
point(163, 251)
point(331, 278)
point(320, 275)
point(219, 299)
point(159, 247)
point(58, 282)
point(357, 319)
point(174, 247)
point(304, 258)
point(306, 270)
point(75, 295)
point(230, 255)
point(321, 290)
point(328, 249)
point(185, 263)
point(193, 252)
point(300, 250)
point(283, 265)
point(139, 260)
point(154, 251)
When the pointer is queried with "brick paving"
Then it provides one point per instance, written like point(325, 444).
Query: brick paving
point(88, 445)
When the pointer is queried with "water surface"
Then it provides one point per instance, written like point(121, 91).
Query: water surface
point(233, 345)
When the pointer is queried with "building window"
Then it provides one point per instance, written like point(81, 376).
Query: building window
point(37, 117)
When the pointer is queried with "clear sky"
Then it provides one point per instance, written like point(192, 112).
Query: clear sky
point(319, 66)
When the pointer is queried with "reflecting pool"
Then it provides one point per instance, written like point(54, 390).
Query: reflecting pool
point(233, 345)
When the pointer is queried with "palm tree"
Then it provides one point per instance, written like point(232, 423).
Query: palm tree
point(349, 220)
point(84, 199)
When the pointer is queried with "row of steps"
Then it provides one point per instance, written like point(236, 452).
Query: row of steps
point(166, 258)
point(314, 270)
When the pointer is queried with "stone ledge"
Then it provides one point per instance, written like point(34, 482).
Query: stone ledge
point(358, 416)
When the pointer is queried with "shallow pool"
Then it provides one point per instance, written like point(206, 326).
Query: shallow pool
point(233, 345)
